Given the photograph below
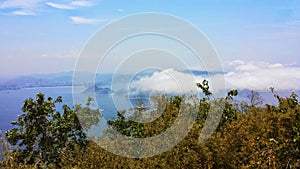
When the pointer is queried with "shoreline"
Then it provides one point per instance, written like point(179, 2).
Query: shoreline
point(44, 87)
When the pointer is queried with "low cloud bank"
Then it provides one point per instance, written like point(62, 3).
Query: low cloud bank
point(167, 81)
point(261, 75)
point(240, 75)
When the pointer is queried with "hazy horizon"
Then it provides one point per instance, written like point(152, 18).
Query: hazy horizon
point(257, 41)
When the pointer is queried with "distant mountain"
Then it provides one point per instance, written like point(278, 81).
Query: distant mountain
point(51, 76)
point(28, 82)
point(53, 79)
point(201, 72)
point(82, 79)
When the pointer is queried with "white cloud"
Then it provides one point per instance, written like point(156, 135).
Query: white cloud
point(23, 7)
point(24, 12)
point(81, 3)
point(60, 6)
point(30, 7)
point(83, 20)
point(21, 4)
point(44, 55)
point(244, 75)
point(71, 5)
point(167, 81)
point(262, 75)
point(121, 10)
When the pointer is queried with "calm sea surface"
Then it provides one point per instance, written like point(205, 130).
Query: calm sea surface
point(12, 101)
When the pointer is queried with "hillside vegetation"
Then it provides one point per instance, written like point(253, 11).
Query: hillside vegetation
point(249, 135)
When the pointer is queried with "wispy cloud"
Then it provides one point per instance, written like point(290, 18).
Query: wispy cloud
point(24, 12)
point(71, 5)
point(83, 20)
point(121, 10)
point(21, 4)
point(60, 6)
point(23, 7)
point(31, 7)
point(81, 3)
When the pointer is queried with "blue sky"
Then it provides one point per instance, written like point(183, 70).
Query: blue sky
point(44, 36)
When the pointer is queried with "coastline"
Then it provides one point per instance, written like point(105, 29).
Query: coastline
point(42, 87)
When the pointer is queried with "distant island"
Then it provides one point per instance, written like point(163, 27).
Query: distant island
point(97, 90)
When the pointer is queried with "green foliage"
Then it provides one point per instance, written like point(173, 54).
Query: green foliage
point(127, 127)
point(263, 137)
point(204, 87)
point(229, 113)
point(86, 115)
point(167, 108)
point(41, 132)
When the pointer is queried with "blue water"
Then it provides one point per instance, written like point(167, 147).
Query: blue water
point(12, 101)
